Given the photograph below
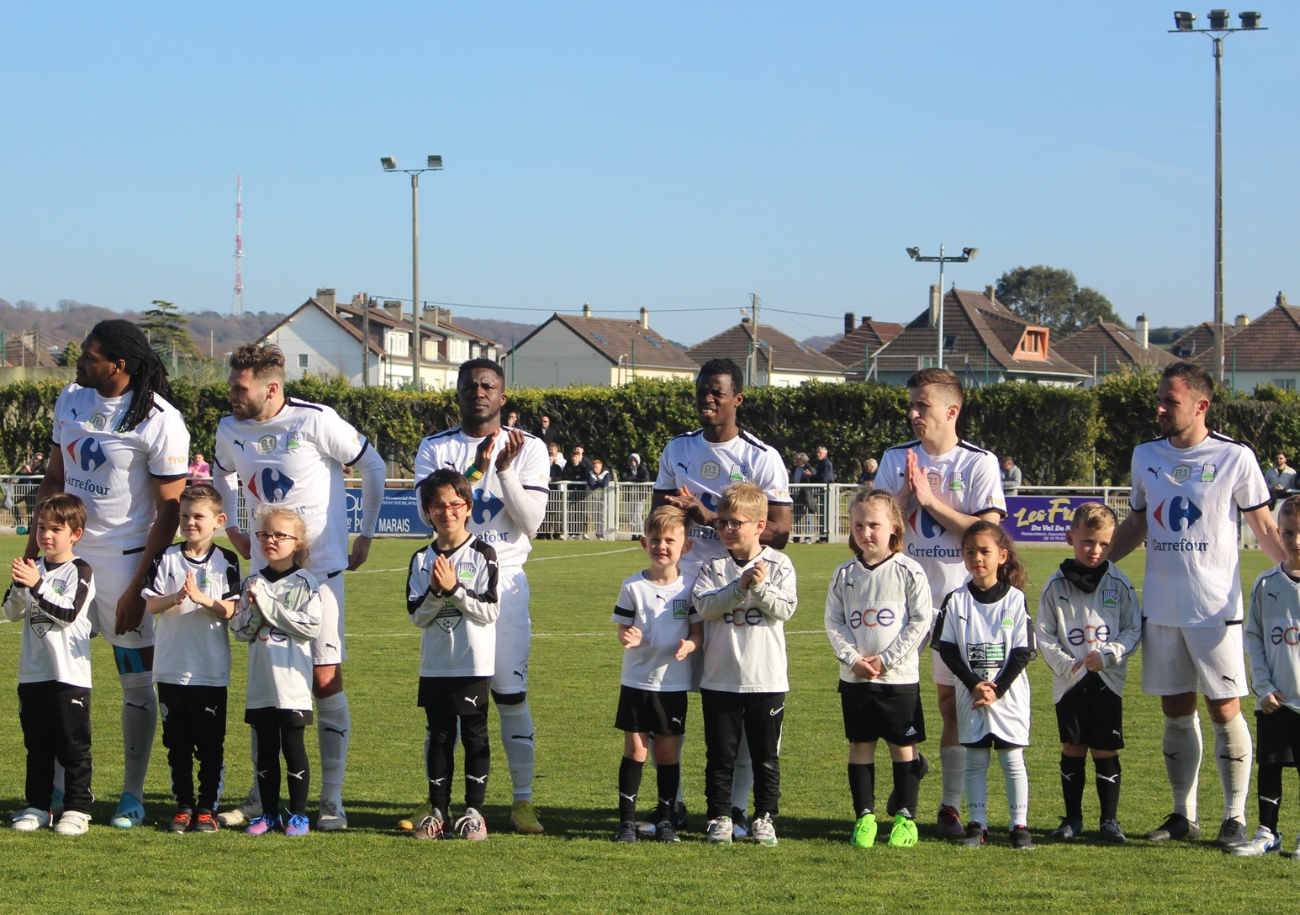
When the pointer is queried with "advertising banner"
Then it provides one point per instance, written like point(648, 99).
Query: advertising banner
point(398, 517)
point(1041, 519)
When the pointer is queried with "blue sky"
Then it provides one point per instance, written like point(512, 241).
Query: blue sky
point(673, 155)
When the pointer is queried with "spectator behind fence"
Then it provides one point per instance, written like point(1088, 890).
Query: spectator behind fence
point(547, 433)
point(199, 469)
point(22, 496)
point(1281, 479)
point(558, 463)
point(867, 477)
point(635, 471)
point(801, 473)
point(1012, 478)
point(512, 420)
point(823, 470)
point(578, 466)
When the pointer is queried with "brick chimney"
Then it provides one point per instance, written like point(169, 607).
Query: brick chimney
point(645, 318)
point(1242, 321)
point(867, 319)
point(326, 299)
point(988, 291)
point(394, 309)
point(850, 319)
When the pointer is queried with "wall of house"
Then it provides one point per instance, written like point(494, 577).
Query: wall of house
point(1246, 381)
point(554, 358)
point(314, 338)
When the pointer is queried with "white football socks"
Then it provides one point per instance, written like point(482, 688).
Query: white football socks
point(333, 731)
point(1232, 752)
point(1182, 749)
point(139, 722)
point(953, 762)
point(517, 736)
point(977, 785)
point(1016, 779)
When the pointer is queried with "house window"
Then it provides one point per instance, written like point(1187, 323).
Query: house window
point(397, 343)
point(1185, 350)
point(1284, 384)
point(302, 360)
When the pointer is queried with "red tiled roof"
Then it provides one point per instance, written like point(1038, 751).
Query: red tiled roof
point(1111, 347)
point(620, 338)
point(788, 354)
point(867, 337)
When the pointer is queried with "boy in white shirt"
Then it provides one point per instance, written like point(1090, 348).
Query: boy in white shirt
point(192, 590)
point(658, 629)
point(53, 595)
point(744, 598)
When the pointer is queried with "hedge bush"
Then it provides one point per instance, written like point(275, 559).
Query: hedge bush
point(1059, 436)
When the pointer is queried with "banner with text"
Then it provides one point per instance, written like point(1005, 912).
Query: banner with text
point(399, 516)
point(1041, 519)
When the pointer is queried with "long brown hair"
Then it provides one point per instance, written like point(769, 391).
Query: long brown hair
point(879, 499)
point(1013, 570)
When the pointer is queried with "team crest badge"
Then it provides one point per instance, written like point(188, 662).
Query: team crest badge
point(41, 624)
point(1181, 474)
point(710, 470)
point(448, 617)
point(737, 474)
point(1109, 597)
point(956, 485)
point(266, 444)
point(98, 422)
point(935, 481)
point(465, 571)
point(681, 606)
point(292, 440)
point(1208, 471)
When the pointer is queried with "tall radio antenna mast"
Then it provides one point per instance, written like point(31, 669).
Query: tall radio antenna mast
point(239, 246)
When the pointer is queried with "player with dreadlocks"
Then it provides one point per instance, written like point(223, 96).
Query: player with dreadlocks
point(123, 448)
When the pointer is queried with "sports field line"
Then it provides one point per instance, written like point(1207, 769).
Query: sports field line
point(415, 633)
point(630, 549)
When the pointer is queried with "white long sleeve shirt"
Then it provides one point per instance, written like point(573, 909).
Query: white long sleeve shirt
point(744, 630)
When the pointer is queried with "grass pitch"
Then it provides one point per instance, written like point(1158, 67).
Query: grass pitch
point(574, 867)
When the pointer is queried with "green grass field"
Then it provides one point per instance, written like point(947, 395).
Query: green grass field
point(574, 867)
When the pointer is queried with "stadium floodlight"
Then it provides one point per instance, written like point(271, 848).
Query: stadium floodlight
point(434, 165)
point(1218, 30)
point(967, 254)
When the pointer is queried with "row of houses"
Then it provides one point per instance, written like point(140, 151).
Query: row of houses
point(370, 342)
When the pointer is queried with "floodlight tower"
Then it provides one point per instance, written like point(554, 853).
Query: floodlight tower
point(239, 246)
point(1218, 30)
point(967, 255)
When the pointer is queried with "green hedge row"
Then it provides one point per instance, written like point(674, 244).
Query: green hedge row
point(1058, 435)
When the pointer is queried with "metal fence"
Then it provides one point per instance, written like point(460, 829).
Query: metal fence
point(17, 500)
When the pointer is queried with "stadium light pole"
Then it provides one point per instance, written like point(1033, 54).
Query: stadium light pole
point(1218, 30)
point(434, 165)
point(967, 254)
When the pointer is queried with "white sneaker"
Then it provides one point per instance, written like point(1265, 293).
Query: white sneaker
point(242, 815)
point(719, 831)
point(1264, 842)
point(73, 823)
point(762, 830)
point(31, 819)
point(332, 816)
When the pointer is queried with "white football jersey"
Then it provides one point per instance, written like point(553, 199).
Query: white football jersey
point(295, 459)
point(744, 631)
point(56, 636)
point(967, 479)
point(459, 626)
point(707, 469)
point(1273, 637)
point(1073, 623)
point(1191, 498)
point(664, 615)
point(985, 636)
point(491, 519)
point(192, 644)
point(882, 610)
point(112, 470)
point(278, 626)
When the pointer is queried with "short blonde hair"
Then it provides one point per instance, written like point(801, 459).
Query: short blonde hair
point(1093, 516)
point(1290, 508)
point(664, 519)
point(745, 499)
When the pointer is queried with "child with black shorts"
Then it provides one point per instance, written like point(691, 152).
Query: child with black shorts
point(52, 595)
point(1089, 622)
point(1272, 636)
point(878, 611)
point(658, 629)
point(744, 598)
point(451, 594)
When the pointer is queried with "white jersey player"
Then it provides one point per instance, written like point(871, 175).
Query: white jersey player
point(510, 474)
point(1189, 487)
point(123, 449)
point(292, 454)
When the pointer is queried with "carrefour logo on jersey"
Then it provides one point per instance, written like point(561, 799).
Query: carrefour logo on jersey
point(869, 619)
point(1182, 513)
point(1285, 635)
point(270, 485)
point(89, 457)
point(486, 507)
point(922, 523)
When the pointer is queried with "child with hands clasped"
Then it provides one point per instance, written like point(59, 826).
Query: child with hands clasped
point(52, 594)
point(878, 612)
point(658, 629)
point(451, 594)
point(1272, 627)
point(744, 598)
point(985, 637)
point(279, 614)
point(193, 589)
point(1089, 622)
